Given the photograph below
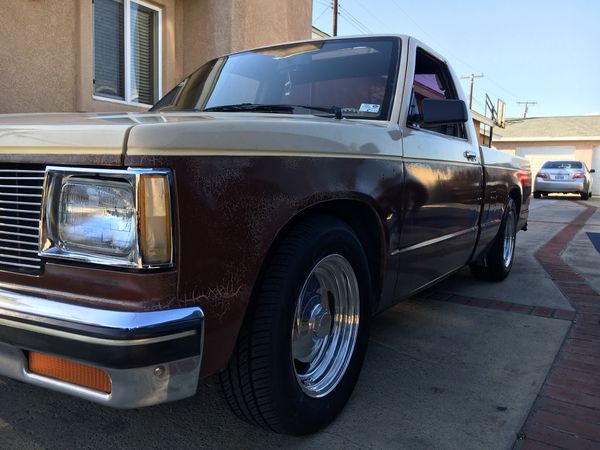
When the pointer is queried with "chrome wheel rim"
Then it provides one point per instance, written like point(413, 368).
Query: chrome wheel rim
point(325, 325)
point(509, 240)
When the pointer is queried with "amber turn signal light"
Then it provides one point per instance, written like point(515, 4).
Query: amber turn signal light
point(155, 226)
point(69, 371)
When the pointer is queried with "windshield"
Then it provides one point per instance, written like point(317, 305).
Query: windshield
point(563, 165)
point(356, 75)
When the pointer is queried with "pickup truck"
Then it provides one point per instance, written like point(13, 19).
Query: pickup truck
point(248, 226)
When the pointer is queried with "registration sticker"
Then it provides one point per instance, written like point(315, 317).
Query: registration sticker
point(369, 108)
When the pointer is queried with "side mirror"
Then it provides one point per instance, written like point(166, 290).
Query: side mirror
point(443, 112)
point(592, 170)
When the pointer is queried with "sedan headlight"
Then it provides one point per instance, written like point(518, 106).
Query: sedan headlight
point(111, 217)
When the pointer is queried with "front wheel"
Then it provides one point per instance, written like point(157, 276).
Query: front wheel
point(303, 341)
point(495, 265)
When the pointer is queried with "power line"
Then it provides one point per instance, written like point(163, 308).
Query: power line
point(372, 15)
point(478, 103)
point(411, 19)
point(324, 11)
point(354, 21)
point(395, 2)
point(357, 24)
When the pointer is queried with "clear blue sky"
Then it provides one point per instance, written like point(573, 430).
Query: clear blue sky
point(529, 50)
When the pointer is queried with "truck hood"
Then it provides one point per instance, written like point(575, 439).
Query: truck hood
point(60, 138)
point(105, 138)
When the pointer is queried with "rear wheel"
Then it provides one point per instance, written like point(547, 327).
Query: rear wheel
point(585, 195)
point(495, 265)
point(303, 341)
point(537, 195)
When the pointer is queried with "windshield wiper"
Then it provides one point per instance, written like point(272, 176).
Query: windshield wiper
point(255, 107)
point(250, 107)
point(335, 110)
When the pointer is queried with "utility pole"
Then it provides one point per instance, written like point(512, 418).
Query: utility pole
point(471, 78)
point(526, 107)
point(335, 16)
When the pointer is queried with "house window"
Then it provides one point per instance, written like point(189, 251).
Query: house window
point(127, 51)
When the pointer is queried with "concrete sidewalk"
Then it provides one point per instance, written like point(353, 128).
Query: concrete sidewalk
point(438, 374)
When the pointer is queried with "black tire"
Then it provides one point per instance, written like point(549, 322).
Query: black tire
point(537, 195)
point(585, 195)
point(260, 384)
point(492, 266)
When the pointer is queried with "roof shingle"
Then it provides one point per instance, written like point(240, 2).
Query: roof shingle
point(577, 127)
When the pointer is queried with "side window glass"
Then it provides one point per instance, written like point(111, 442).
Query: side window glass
point(432, 80)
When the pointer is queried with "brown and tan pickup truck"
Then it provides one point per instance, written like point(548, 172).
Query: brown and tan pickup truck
point(248, 225)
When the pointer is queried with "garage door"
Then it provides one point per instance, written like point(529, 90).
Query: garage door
point(537, 156)
point(596, 165)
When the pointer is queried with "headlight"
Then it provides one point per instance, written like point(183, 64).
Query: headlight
point(97, 216)
point(111, 217)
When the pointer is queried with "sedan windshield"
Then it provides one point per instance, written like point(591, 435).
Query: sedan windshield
point(353, 78)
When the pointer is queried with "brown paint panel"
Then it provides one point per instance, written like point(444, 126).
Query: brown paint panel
point(442, 208)
point(232, 209)
point(499, 183)
point(98, 287)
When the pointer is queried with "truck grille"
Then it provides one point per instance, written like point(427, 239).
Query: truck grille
point(20, 205)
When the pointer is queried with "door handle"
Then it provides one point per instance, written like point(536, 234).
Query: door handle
point(470, 155)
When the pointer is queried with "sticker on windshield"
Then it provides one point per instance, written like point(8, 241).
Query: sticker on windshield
point(369, 108)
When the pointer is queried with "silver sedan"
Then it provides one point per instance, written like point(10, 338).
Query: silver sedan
point(564, 177)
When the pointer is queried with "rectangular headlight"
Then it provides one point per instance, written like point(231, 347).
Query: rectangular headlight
point(97, 216)
point(111, 217)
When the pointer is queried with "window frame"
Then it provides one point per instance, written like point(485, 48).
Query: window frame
point(127, 55)
point(452, 89)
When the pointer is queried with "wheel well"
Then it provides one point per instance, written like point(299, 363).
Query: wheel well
point(363, 220)
point(516, 196)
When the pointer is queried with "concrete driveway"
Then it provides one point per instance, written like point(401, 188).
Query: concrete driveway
point(459, 367)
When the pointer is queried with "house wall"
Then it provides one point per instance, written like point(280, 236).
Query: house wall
point(583, 149)
point(235, 25)
point(38, 55)
point(46, 55)
point(481, 138)
point(586, 151)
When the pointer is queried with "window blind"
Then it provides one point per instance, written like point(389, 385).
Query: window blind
point(143, 53)
point(109, 38)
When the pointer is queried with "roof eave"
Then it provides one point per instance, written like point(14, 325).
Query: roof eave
point(546, 138)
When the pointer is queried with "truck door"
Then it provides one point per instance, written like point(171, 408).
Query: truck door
point(443, 185)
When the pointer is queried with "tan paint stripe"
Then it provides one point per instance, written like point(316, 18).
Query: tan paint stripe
point(138, 151)
point(60, 151)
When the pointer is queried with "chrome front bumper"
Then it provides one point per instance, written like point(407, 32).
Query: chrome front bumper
point(150, 357)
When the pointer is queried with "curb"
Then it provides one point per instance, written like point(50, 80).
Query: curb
point(566, 413)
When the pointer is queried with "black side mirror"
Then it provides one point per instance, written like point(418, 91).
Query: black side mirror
point(443, 112)
point(592, 170)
